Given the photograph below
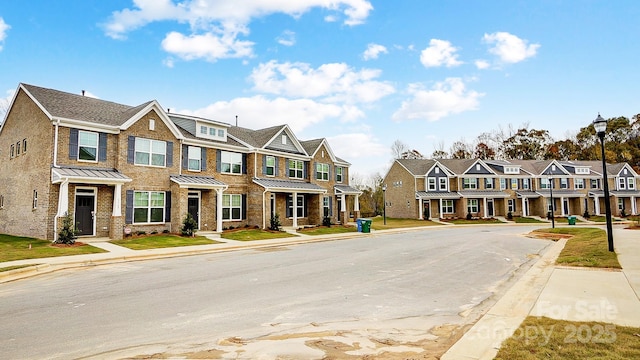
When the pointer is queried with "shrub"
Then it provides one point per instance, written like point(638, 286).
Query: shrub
point(274, 223)
point(326, 220)
point(69, 233)
point(469, 216)
point(509, 215)
point(586, 214)
point(189, 225)
point(623, 213)
point(140, 233)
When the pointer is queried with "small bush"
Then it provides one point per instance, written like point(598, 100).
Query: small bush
point(140, 233)
point(69, 233)
point(165, 231)
point(509, 215)
point(586, 214)
point(326, 220)
point(623, 213)
point(469, 216)
point(274, 223)
point(154, 232)
point(189, 225)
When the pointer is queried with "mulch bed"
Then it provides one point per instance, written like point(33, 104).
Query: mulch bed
point(75, 244)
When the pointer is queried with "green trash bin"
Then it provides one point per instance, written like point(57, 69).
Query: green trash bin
point(572, 220)
point(366, 225)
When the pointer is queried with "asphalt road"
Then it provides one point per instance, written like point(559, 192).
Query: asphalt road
point(93, 311)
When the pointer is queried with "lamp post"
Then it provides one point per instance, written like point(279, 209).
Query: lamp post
point(553, 218)
point(600, 125)
point(384, 204)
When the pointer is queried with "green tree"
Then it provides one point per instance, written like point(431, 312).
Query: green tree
point(527, 144)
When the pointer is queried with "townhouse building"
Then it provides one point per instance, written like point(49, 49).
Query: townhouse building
point(120, 169)
point(453, 188)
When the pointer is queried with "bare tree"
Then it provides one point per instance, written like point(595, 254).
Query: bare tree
point(439, 152)
point(461, 150)
point(398, 148)
point(4, 107)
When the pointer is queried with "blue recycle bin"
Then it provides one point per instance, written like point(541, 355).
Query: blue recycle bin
point(359, 224)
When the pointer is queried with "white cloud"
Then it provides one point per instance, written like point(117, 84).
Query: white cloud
point(334, 82)
point(5, 102)
point(357, 145)
point(89, 94)
point(3, 31)
point(482, 64)
point(510, 48)
point(216, 24)
point(287, 38)
point(373, 51)
point(258, 112)
point(443, 99)
point(439, 53)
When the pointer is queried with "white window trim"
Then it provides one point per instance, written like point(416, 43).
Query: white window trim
point(151, 153)
point(489, 184)
point(622, 183)
point(231, 207)
point(299, 207)
point(471, 205)
point(231, 162)
point(578, 184)
point(431, 181)
point(443, 183)
point(295, 169)
point(511, 205)
point(97, 147)
point(470, 183)
point(149, 207)
point(447, 206)
point(322, 170)
point(198, 152)
point(267, 166)
point(526, 184)
point(564, 183)
point(631, 183)
point(514, 184)
point(339, 174)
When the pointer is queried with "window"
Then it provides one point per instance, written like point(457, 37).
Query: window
point(212, 131)
point(148, 207)
point(525, 184)
point(1, 201)
point(447, 207)
point(270, 165)
point(195, 158)
point(511, 170)
point(87, 146)
point(150, 152)
point(24, 146)
point(579, 183)
point(472, 206)
point(549, 204)
point(220, 133)
point(582, 170)
point(544, 183)
point(296, 169)
point(469, 183)
point(284, 139)
point(620, 204)
point(511, 205)
point(35, 199)
point(203, 130)
point(300, 206)
point(152, 124)
point(431, 184)
point(595, 183)
point(631, 183)
point(442, 186)
point(339, 174)
point(437, 170)
point(564, 183)
point(230, 162)
point(326, 206)
point(503, 183)
point(12, 152)
point(621, 183)
point(488, 183)
point(322, 171)
point(18, 148)
point(514, 184)
point(232, 207)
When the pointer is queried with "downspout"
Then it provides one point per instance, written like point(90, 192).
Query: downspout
point(264, 209)
point(180, 159)
point(55, 164)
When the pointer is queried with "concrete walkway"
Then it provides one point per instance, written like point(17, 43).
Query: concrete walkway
point(574, 294)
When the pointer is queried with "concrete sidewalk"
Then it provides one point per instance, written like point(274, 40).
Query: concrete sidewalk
point(574, 294)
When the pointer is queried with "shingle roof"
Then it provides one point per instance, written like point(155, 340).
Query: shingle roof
point(310, 146)
point(288, 185)
point(457, 166)
point(188, 135)
point(417, 166)
point(256, 138)
point(77, 107)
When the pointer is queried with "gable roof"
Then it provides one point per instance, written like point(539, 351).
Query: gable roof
point(418, 167)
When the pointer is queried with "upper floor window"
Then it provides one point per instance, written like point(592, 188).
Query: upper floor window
point(631, 183)
point(339, 174)
point(194, 154)
point(12, 153)
point(503, 183)
point(87, 146)
point(35, 199)
point(526, 184)
point(564, 183)
point(442, 184)
point(488, 183)
point(622, 183)
point(296, 169)
point(150, 152)
point(514, 184)
point(431, 184)
point(579, 183)
point(545, 183)
point(18, 148)
point(270, 165)
point(322, 171)
point(595, 183)
point(469, 183)
point(210, 131)
point(1, 201)
point(582, 170)
point(148, 207)
point(511, 170)
point(230, 162)
point(24, 146)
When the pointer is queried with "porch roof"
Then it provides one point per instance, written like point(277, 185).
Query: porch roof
point(346, 189)
point(437, 195)
point(483, 194)
point(623, 193)
point(197, 182)
point(274, 185)
point(527, 194)
point(561, 193)
point(87, 175)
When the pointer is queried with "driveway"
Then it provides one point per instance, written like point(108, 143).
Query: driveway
point(391, 294)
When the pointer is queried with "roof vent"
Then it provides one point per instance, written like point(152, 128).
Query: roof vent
point(82, 92)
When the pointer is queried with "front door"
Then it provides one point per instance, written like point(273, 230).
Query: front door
point(193, 207)
point(85, 205)
point(425, 211)
point(490, 208)
point(565, 206)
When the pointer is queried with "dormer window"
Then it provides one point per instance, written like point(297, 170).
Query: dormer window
point(511, 170)
point(582, 171)
point(209, 131)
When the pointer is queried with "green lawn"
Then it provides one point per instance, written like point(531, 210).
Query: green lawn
point(17, 248)
point(526, 220)
point(475, 221)
point(162, 241)
point(254, 234)
point(588, 247)
point(393, 223)
point(322, 230)
point(544, 338)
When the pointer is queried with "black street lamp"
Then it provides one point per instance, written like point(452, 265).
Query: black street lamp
point(384, 205)
point(600, 125)
point(553, 218)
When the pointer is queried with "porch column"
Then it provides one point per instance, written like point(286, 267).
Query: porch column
point(219, 210)
point(634, 210)
point(343, 203)
point(562, 206)
point(524, 208)
point(484, 210)
point(420, 207)
point(596, 205)
point(295, 210)
point(356, 203)
point(440, 206)
point(63, 199)
point(117, 200)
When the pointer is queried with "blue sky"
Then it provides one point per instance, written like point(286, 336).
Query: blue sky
point(362, 73)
